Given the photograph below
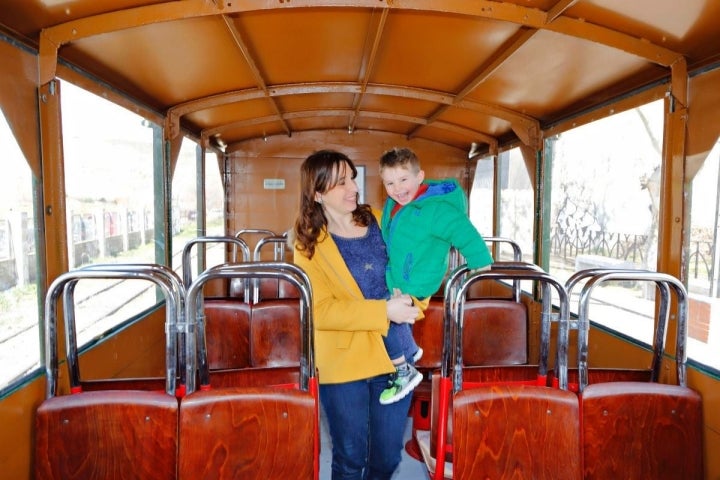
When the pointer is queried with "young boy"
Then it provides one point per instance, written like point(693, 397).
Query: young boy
point(421, 220)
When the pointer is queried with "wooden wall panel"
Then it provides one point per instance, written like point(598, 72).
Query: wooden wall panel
point(252, 206)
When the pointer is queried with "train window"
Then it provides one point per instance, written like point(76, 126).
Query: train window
point(703, 257)
point(214, 206)
point(516, 204)
point(602, 220)
point(214, 195)
point(19, 299)
point(481, 196)
point(186, 223)
point(184, 202)
point(108, 153)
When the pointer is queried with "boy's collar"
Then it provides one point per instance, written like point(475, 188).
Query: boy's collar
point(421, 189)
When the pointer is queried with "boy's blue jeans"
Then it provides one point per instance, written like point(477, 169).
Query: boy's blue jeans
point(367, 437)
point(399, 341)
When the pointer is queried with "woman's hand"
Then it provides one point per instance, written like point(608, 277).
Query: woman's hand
point(400, 309)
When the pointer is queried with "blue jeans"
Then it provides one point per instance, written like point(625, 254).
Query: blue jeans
point(400, 341)
point(367, 437)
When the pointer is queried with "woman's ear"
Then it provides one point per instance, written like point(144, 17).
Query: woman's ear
point(318, 197)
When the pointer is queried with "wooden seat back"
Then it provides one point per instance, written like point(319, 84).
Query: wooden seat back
point(428, 334)
point(516, 431)
point(641, 430)
point(101, 435)
point(495, 332)
point(227, 333)
point(275, 333)
point(495, 341)
point(247, 433)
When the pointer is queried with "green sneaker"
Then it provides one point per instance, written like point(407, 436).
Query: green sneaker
point(405, 379)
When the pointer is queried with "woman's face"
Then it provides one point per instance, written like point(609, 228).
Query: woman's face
point(342, 198)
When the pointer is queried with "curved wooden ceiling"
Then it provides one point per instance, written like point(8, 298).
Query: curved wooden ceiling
point(457, 72)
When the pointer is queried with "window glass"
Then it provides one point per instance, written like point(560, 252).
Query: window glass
point(19, 302)
point(609, 220)
point(516, 205)
point(704, 262)
point(481, 197)
point(214, 208)
point(186, 224)
point(214, 195)
point(184, 205)
point(109, 184)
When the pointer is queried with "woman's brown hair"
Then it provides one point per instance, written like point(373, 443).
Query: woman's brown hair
point(320, 173)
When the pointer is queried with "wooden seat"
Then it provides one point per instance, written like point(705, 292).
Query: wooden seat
point(494, 338)
point(227, 333)
point(495, 332)
point(516, 431)
point(641, 430)
point(105, 435)
point(247, 433)
point(605, 375)
point(275, 333)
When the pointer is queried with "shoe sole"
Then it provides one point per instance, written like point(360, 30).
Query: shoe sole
point(414, 382)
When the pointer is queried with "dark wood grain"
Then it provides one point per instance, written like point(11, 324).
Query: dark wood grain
point(227, 333)
point(642, 431)
point(107, 435)
point(247, 434)
point(516, 432)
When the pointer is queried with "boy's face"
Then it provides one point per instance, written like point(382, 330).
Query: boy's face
point(401, 183)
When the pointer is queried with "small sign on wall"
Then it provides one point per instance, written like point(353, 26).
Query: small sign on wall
point(274, 184)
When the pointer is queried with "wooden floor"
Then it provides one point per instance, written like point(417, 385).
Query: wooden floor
point(410, 469)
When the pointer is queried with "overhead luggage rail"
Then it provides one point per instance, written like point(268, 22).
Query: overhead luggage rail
point(640, 429)
point(96, 435)
point(254, 428)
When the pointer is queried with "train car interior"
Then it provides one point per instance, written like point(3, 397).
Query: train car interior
point(153, 324)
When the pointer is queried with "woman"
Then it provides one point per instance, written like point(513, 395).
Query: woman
point(338, 243)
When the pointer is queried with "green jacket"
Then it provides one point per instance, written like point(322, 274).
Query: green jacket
point(420, 235)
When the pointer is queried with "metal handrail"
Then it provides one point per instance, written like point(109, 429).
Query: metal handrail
point(664, 282)
point(282, 270)
point(162, 276)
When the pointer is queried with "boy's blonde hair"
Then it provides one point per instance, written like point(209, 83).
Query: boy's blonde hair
point(400, 157)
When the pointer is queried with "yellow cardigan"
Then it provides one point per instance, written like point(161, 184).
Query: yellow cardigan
point(348, 328)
